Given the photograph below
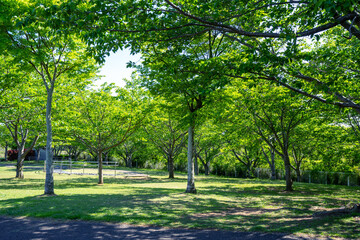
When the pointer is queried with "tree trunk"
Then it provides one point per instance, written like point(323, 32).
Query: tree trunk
point(272, 165)
point(106, 159)
point(100, 168)
point(270, 161)
point(129, 161)
point(298, 174)
point(196, 166)
point(6, 149)
point(49, 179)
point(248, 171)
point(273, 172)
point(288, 179)
point(207, 168)
point(171, 166)
point(38, 154)
point(191, 175)
point(19, 164)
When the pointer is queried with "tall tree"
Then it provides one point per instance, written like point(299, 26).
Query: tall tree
point(53, 56)
point(272, 115)
point(280, 120)
point(174, 71)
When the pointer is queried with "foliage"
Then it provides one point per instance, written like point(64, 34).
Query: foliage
point(13, 154)
point(101, 121)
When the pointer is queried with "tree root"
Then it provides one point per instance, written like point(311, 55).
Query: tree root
point(354, 209)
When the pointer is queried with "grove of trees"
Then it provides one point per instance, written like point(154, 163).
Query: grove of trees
point(270, 84)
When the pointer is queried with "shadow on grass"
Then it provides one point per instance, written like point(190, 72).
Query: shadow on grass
point(172, 208)
point(77, 182)
point(58, 230)
point(232, 204)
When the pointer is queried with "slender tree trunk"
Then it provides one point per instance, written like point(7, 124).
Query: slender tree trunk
point(196, 166)
point(171, 166)
point(129, 161)
point(19, 164)
point(248, 171)
point(49, 179)
point(288, 179)
point(191, 175)
point(207, 168)
point(38, 154)
point(6, 149)
point(298, 174)
point(273, 172)
point(270, 161)
point(272, 165)
point(100, 168)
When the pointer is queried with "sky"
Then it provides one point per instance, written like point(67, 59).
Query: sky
point(114, 69)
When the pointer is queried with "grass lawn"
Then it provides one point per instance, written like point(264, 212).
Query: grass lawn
point(221, 203)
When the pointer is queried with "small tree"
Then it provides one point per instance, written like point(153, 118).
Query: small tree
point(55, 57)
point(166, 133)
point(208, 145)
point(101, 121)
point(23, 118)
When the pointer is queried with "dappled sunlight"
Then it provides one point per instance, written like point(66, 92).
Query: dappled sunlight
point(220, 203)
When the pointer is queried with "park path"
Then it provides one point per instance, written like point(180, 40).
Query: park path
point(21, 228)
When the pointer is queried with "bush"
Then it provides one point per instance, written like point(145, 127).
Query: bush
point(13, 154)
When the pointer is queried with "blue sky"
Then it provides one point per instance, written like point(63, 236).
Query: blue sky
point(114, 69)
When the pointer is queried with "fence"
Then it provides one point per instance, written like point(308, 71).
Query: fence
point(85, 168)
point(320, 177)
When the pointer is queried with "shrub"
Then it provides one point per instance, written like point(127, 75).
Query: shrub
point(13, 154)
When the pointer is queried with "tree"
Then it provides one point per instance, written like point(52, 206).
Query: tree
point(53, 56)
point(166, 133)
point(128, 149)
point(249, 155)
point(270, 113)
point(171, 71)
point(23, 118)
point(208, 144)
point(279, 120)
point(101, 121)
point(303, 145)
point(270, 160)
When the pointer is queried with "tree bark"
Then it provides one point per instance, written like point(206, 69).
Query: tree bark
point(100, 168)
point(6, 149)
point(272, 165)
point(288, 179)
point(171, 167)
point(298, 174)
point(19, 164)
point(270, 161)
point(38, 154)
point(49, 179)
point(273, 172)
point(207, 168)
point(22, 155)
point(129, 161)
point(196, 166)
point(191, 174)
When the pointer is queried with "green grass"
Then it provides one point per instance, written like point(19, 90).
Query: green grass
point(222, 203)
